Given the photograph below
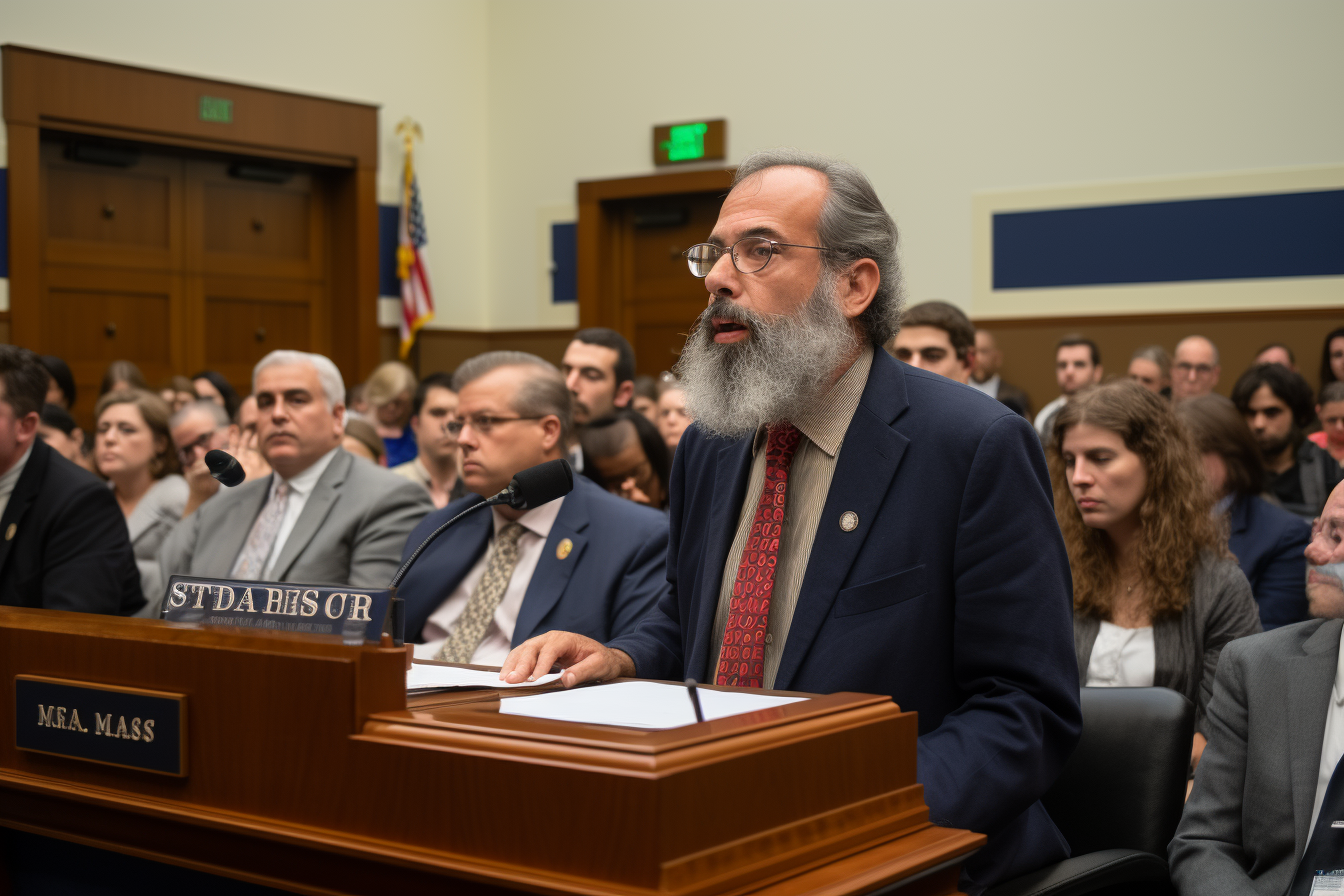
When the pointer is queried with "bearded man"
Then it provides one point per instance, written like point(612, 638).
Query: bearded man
point(841, 521)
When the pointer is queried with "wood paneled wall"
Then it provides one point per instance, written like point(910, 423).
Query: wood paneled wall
point(1028, 344)
point(444, 350)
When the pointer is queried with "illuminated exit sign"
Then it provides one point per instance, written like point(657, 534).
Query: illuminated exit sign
point(693, 141)
point(216, 108)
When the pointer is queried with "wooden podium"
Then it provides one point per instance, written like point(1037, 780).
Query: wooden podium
point(306, 770)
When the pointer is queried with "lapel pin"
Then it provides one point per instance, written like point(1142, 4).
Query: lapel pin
point(563, 548)
point(9, 533)
point(849, 521)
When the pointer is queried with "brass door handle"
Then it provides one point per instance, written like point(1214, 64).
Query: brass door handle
point(109, 211)
point(261, 334)
point(110, 331)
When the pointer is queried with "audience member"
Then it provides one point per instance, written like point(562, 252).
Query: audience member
point(1266, 540)
point(435, 468)
point(178, 393)
point(212, 386)
point(362, 440)
point(197, 429)
point(907, 593)
point(1332, 357)
point(61, 388)
point(243, 443)
point(122, 375)
point(65, 545)
point(354, 401)
point(631, 456)
point(588, 561)
point(599, 370)
point(938, 337)
point(1155, 593)
point(1077, 364)
point(321, 517)
point(1195, 368)
point(389, 392)
point(59, 430)
point(1330, 415)
point(985, 376)
point(645, 399)
point(1150, 367)
point(1277, 406)
point(672, 416)
point(1277, 353)
point(135, 453)
point(1263, 816)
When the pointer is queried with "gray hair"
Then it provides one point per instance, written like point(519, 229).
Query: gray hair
point(217, 414)
point(328, 376)
point(539, 396)
point(853, 225)
point(1155, 353)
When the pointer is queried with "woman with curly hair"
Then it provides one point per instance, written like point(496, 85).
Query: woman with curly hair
point(1155, 593)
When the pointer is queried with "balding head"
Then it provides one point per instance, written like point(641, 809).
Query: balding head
point(1194, 368)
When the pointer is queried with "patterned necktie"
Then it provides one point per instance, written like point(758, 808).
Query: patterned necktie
point(742, 657)
point(1325, 850)
point(471, 626)
point(251, 562)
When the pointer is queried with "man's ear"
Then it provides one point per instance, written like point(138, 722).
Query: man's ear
point(27, 426)
point(1097, 374)
point(338, 413)
point(969, 361)
point(625, 393)
point(550, 432)
point(856, 286)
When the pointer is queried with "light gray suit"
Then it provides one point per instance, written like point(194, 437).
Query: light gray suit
point(1246, 823)
point(351, 531)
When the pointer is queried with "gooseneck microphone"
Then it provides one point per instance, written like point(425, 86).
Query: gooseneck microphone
point(225, 467)
point(530, 488)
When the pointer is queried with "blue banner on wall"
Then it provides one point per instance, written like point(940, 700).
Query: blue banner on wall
point(564, 262)
point(1234, 238)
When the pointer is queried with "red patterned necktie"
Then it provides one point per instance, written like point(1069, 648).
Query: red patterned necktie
point(742, 657)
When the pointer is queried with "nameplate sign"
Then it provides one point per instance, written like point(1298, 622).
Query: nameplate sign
point(125, 727)
point(356, 614)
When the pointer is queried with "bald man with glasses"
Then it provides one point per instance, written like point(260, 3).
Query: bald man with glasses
point(589, 562)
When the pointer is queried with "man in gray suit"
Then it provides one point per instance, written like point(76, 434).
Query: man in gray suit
point(323, 516)
point(1276, 735)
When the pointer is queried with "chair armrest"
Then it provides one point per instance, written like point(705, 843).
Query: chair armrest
point(1141, 871)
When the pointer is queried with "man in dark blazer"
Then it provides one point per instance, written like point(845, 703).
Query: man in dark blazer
point(65, 544)
point(590, 562)
point(918, 551)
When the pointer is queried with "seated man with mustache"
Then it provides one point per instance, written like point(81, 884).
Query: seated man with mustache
point(841, 521)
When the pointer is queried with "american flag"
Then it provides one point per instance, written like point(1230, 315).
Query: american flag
point(417, 300)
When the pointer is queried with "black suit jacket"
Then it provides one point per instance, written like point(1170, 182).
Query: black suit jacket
point(952, 595)
point(70, 549)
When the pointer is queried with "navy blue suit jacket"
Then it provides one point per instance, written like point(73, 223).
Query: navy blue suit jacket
point(1268, 542)
point(953, 595)
point(614, 573)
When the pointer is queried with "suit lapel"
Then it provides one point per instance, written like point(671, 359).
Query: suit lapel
point(730, 488)
point(1312, 676)
point(1239, 519)
point(552, 574)
point(23, 496)
point(219, 554)
point(326, 492)
point(867, 463)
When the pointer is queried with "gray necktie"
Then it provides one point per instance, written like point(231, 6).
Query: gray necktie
point(471, 626)
point(251, 562)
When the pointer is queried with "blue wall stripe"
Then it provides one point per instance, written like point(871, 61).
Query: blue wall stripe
point(388, 218)
point(1234, 238)
point(564, 262)
point(4, 222)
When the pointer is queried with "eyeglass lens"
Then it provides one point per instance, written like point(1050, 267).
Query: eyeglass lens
point(749, 256)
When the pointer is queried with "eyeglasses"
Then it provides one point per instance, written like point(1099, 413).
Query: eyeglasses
point(750, 254)
point(1187, 368)
point(482, 423)
point(188, 454)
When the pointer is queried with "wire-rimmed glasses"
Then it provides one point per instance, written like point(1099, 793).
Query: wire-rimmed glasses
point(750, 254)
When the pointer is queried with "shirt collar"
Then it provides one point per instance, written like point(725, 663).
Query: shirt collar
point(11, 476)
point(827, 421)
point(302, 483)
point(538, 520)
point(1337, 695)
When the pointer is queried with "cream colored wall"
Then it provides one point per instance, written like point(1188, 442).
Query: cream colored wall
point(937, 100)
point(424, 58)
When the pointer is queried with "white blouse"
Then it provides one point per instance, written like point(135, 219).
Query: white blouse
point(1122, 658)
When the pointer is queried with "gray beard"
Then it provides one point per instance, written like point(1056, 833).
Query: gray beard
point(779, 372)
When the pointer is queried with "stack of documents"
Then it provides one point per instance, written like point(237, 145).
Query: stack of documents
point(638, 704)
point(423, 678)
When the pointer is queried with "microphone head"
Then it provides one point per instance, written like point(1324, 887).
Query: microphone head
point(541, 484)
point(224, 467)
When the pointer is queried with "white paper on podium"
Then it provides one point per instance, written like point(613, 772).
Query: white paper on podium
point(424, 677)
point(637, 704)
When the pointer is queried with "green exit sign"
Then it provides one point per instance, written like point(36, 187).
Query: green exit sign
point(692, 141)
point(216, 108)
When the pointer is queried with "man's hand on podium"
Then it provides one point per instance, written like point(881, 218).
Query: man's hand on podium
point(583, 659)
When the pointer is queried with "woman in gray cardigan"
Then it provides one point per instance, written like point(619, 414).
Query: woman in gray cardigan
point(1155, 593)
